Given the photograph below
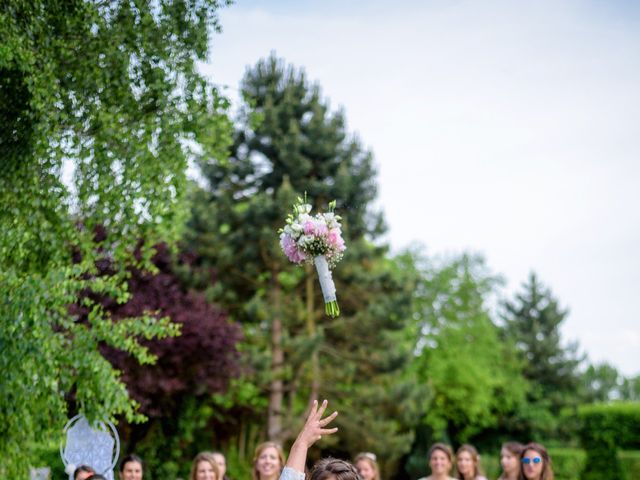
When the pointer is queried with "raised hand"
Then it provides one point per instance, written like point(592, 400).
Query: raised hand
point(313, 430)
point(314, 426)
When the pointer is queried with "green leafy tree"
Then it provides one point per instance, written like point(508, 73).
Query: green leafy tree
point(474, 377)
point(107, 94)
point(289, 142)
point(630, 389)
point(602, 382)
point(533, 322)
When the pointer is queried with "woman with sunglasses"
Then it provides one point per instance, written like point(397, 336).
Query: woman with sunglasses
point(535, 463)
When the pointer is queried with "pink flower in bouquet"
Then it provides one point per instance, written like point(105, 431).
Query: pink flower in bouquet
point(336, 240)
point(309, 227)
point(321, 229)
point(315, 228)
point(290, 249)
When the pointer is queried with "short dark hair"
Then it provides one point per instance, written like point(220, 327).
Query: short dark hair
point(82, 468)
point(131, 458)
point(97, 476)
point(334, 468)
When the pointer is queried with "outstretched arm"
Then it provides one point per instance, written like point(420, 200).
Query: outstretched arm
point(313, 430)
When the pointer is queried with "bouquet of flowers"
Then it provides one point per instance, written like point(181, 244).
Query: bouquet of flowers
point(315, 239)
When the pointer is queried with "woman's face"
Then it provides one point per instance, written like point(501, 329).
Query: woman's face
point(365, 470)
point(532, 465)
point(510, 463)
point(205, 471)
point(464, 463)
point(222, 464)
point(131, 471)
point(439, 463)
point(268, 463)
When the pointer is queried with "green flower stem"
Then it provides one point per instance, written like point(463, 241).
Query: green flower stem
point(332, 309)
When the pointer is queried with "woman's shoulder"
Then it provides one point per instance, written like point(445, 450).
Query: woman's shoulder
point(480, 477)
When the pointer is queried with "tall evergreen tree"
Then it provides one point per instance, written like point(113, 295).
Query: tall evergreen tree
point(289, 142)
point(533, 322)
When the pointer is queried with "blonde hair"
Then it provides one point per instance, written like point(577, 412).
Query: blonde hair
point(259, 449)
point(471, 450)
point(370, 458)
point(204, 457)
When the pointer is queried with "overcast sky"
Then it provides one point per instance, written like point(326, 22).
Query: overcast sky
point(506, 128)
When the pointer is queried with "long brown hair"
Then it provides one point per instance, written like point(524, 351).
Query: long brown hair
point(204, 457)
point(547, 471)
point(475, 458)
point(515, 449)
point(259, 449)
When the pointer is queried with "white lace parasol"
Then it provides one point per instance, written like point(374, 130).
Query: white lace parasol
point(97, 447)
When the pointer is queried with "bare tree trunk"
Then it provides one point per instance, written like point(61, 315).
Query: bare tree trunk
point(274, 422)
point(311, 330)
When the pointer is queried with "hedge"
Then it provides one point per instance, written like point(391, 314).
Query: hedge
point(606, 428)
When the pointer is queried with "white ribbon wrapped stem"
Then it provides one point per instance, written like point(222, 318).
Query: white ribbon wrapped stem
point(324, 275)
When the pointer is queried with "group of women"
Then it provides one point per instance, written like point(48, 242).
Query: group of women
point(206, 466)
point(519, 462)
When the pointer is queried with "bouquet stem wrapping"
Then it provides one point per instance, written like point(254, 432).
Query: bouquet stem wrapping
point(327, 286)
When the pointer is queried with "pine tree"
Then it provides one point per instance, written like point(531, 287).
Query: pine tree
point(289, 142)
point(533, 322)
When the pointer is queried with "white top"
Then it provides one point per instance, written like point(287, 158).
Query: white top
point(291, 474)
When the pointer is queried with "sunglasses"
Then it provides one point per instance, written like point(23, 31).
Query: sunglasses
point(527, 460)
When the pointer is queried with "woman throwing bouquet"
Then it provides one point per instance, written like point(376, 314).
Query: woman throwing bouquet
point(327, 468)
